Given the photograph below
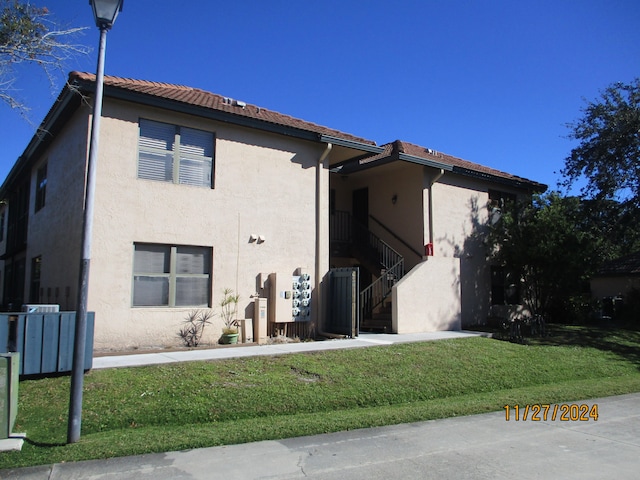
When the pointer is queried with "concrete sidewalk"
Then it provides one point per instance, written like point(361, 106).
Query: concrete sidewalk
point(477, 446)
point(364, 340)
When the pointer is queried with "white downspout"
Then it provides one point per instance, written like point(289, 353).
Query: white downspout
point(431, 183)
point(322, 234)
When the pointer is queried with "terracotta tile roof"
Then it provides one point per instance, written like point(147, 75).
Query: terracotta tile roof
point(208, 100)
point(218, 103)
point(627, 265)
point(429, 154)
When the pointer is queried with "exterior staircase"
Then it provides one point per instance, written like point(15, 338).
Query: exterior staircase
point(350, 238)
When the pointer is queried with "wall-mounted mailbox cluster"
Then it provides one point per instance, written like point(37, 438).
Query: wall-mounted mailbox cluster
point(290, 299)
point(301, 293)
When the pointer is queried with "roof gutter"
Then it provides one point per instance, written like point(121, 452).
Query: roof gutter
point(513, 182)
point(426, 162)
point(322, 232)
point(341, 142)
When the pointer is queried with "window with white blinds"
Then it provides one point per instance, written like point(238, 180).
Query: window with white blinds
point(171, 275)
point(170, 153)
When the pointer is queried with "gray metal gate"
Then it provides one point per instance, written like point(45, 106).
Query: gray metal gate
point(344, 301)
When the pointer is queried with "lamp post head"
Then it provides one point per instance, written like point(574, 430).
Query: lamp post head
point(105, 11)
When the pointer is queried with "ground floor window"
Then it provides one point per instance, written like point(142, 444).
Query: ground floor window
point(171, 275)
point(36, 269)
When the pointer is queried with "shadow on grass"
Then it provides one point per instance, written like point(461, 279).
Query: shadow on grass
point(43, 444)
point(617, 340)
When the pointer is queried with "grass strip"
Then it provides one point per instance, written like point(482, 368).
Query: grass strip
point(199, 404)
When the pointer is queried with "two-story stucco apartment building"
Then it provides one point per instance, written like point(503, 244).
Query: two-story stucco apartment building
point(196, 193)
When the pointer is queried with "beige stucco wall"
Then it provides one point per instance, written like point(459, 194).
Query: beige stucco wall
point(55, 230)
point(459, 217)
point(458, 209)
point(404, 218)
point(427, 299)
point(264, 184)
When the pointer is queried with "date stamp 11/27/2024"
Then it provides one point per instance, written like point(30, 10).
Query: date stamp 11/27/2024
point(565, 412)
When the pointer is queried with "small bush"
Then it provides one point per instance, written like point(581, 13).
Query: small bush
point(193, 328)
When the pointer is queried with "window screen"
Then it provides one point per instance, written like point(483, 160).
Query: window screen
point(170, 153)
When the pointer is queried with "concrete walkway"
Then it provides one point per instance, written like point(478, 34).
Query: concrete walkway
point(364, 340)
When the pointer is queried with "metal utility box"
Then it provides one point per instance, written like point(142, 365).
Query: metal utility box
point(280, 298)
point(260, 320)
point(301, 285)
point(9, 376)
point(289, 298)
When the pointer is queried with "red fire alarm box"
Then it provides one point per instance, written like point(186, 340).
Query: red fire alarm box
point(428, 249)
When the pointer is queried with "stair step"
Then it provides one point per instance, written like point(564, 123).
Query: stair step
point(379, 323)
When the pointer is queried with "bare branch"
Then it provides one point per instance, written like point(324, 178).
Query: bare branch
point(28, 35)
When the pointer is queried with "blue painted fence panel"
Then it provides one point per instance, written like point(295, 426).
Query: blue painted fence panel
point(50, 349)
point(44, 340)
point(32, 349)
point(67, 336)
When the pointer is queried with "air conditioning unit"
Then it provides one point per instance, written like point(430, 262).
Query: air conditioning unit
point(40, 308)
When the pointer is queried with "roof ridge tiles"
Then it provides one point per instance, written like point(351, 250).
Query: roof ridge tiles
point(419, 151)
point(208, 100)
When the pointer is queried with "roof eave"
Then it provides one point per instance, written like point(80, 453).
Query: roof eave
point(343, 142)
point(512, 182)
point(425, 161)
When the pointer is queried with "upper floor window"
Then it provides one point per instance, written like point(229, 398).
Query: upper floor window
point(170, 153)
point(3, 216)
point(500, 203)
point(41, 187)
point(36, 269)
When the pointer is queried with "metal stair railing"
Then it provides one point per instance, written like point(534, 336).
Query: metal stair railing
point(365, 239)
point(340, 227)
point(379, 290)
point(345, 229)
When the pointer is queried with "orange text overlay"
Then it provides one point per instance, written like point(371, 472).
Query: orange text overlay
point(565, 412)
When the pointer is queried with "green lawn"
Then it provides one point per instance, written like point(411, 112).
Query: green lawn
point(188, 405)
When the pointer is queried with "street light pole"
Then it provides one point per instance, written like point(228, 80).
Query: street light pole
point(79, 345)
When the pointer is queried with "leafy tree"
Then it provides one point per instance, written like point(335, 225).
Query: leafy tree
point(608, 154)
point(29, 36)
point(614, 227)
point(554, 244)
point(549, 246)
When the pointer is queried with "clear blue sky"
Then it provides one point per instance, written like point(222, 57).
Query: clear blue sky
point(492, 81)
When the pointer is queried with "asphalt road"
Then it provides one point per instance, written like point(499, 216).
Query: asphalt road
point(477, 446)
